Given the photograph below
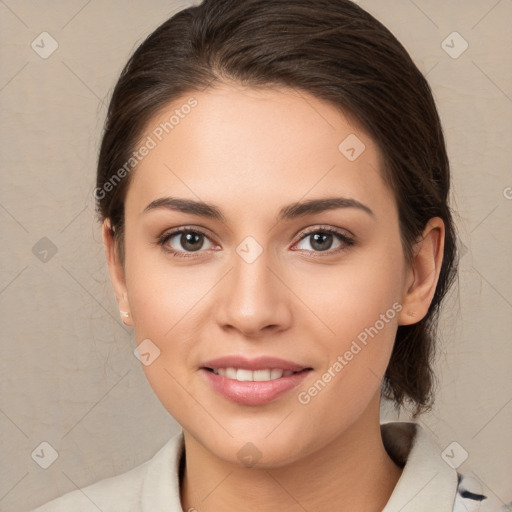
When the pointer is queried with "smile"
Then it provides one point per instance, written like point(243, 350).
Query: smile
point(252, 387)
point(244, 375)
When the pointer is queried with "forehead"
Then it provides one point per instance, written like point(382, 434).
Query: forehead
point(256, 145)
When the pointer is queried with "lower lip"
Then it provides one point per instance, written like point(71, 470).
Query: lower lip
point(253, 393)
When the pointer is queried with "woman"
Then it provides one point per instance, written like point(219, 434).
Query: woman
point(273, 185)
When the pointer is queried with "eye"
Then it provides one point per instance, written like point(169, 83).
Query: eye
point(184, 240)
point(322, 240)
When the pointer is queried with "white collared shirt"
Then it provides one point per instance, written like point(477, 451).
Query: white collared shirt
point(427, 483)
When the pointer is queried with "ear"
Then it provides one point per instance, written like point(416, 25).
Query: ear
point(423, 273)
point(116, 271)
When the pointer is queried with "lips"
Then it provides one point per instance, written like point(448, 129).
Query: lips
point(258, 363)
point(253, 381)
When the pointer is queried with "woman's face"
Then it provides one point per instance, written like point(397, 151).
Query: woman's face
point(257, 276)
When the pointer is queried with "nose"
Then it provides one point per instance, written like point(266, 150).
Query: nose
point(254, 299)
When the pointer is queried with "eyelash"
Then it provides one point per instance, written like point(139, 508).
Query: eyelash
point(344, 239)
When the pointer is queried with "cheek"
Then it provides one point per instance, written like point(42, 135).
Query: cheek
point(360, 305)
point(166, 307)
point(167, 311)
point(352, 297)
point(162, 293)
point(352, 374)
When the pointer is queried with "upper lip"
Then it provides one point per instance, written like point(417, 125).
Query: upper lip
point(257, 363)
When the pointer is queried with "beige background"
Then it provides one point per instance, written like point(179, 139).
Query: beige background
point(68, 374)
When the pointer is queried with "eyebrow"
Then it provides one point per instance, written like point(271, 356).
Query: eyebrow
point(288, 212)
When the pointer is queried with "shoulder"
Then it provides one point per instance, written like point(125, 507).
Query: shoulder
point(126, 492)
point(429, 481)
point(120, 492)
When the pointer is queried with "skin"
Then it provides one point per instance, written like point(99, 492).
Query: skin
point(251, 152)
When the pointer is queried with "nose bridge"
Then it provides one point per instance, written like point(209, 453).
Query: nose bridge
point(253, 298)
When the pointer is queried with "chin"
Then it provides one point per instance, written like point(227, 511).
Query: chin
point(260, 445)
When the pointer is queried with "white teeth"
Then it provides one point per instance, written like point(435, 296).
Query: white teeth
point(244, 375)
point(261, 375)
point(231, 373)
point(275, 374)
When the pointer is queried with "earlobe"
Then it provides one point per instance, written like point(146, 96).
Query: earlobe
point(116, 271)
point(423, 273)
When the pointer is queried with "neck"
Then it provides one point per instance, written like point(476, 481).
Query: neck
point(353, 472)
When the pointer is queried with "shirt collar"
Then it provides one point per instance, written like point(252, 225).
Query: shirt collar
point(427, 481)
point(161, 486)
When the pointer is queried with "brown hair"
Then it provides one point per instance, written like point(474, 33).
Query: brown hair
point(335, 51)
